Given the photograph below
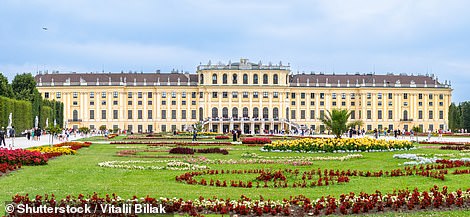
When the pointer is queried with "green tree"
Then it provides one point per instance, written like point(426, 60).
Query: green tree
point(465, 117)
point(454, 117)
point(5, 87)
point(24, 87)
point(337, 121)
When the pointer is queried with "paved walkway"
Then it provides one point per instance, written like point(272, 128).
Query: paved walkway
point(23, 142)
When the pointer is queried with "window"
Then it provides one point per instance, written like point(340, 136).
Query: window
point(343, 96)
point(275, 113)
point(224, 94)
point(293, 103)
point(150, 102)
point(58, 95)
point(214, 94)
point(312, 103)
point(405, 96)
point(276, 94)
point(292, 114)
point(92, 95)
point(173, 114)
point(92, 102)
point(379, 103)
point(224, 79)
point(430, 96)
point(103, 114)
point(405, 104)
point(234, 79)
point(255, 94)
point(420, 114)
point(115, 114)
point(292, 95)
point(265, 113)
point(115, 102)
point(129, 114)
point(139, 114)
point(322, 103)
point(302, 95)
point(390, 95)
point(193, 102)
point(75, 94)
point(265, 94)
point(420, 103)
point(353, 115)
point(379, 96)
point(183, 94)
point(183, 102)
point(201, 79)
point(369, 95)
point(139, 102)
point(255, 79)
point(333, 103)
point(430, 103)
point(390, 103)
point(312, 114)
point(173, 94)
point(369, 103)
point(214, 79)
point(163, 94)
point(379, 114)
point(369, 114)
point(312, 95)
point(265, 79)
point(441, 96)
point(353, 103)
point(92, 114)
point(75, 103)
point(333, 95)
point(245, 94)
point(163, 114)
point(431, 115)
point(193, 114)
point(245, 112)
point(225, 112)
point(215, 112)
point(149, 95)
point(183, 114)
point(255, 112)
point(139, 95)
point(235, 94)
point(201, 95)
point(129, 102)
point(149, 114)
point(115, 94)
point(103, 102)
point(343, 103)
point(163, 127)
point(390, 114)
point(275, 79)
point(322, 95)
point(420, 96)
point(103, 94)
point(245, 79)
point(322, 114)
point(353, 96)
point(129, 95)
point(193, 95)
point(173, 102)
point(302, 114)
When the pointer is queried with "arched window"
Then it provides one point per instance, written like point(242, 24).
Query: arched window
point(224, 79)
point(245, 112)
point(234, 79)
point(275, 112)
point(214, 79)
point(255, 112)
point(255, 79)
point(275, 79)
point(245, 79)
point(75, 115)
point(225, 112)
point(215, 112)
point(201, 114)
point(201, 80)
point(405, 115)
point(235, 112)
point(265, 79)
point(265, 113)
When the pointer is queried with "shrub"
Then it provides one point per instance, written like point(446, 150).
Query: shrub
point(181, 150)
point(256, 140)
point(21, 156)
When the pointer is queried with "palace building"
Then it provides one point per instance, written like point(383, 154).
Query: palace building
point(254, 97)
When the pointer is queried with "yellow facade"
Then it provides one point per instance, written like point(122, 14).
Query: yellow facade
point(252, 97)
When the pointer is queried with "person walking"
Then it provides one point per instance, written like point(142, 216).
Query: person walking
point(2, 137)
point(194, 135)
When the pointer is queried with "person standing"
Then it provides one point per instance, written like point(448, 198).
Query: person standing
point(2, 137)
point(239, 132)
point(234, 135)
point(194, 135)
point(12, 135)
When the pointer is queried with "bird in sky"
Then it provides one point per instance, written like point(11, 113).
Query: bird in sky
point(44, 28)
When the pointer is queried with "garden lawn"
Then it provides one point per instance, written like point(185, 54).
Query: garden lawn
point(80, 174)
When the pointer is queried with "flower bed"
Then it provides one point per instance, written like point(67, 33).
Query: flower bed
point(334, 145)
point(444, 143)
point(455, 147)
point(182, 150)
point(171, 143)
point(112, 135)
point(221, 137)
point(51, 152)
point(352, 203)
point(256, 140)
point(74, 145)
point(22, 157)
point(6, 168)
point(170, 165)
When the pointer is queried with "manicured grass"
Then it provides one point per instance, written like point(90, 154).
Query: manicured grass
point(72, 175)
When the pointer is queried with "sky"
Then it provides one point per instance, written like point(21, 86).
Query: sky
point(399, 36)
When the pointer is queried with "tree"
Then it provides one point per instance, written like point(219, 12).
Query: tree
point(337, 121)
point(454, 117)
point(5, 87)
point(198, 126)
point(465, 117)
point(24, 87)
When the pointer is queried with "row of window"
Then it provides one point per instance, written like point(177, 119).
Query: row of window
point(244, 78)
point(130, 114)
